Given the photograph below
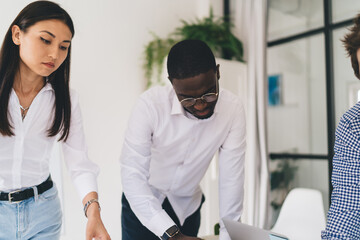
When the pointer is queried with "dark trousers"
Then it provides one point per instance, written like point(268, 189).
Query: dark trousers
point(132, 228)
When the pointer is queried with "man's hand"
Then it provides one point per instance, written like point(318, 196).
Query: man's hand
point(181, 236)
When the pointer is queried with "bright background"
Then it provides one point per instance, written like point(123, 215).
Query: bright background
point(106, 71)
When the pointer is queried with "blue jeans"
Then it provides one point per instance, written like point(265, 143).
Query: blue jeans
point(132, 229)
point(37, 218)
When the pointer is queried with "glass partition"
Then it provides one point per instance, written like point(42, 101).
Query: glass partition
point(344, 9)
point(287, 174)
point(297, 119)
point(293, 17)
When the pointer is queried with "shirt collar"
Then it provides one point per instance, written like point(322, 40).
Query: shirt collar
point(177, 108)
point(47, 87)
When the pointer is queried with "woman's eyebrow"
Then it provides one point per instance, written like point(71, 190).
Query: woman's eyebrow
point(52, 35)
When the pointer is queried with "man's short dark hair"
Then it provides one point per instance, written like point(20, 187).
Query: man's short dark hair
point(189, 58)
point(352, 44)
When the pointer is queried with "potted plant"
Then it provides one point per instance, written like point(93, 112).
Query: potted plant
point(214, 31)
point(282, 176)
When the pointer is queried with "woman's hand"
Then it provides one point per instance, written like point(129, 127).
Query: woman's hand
point(95, 228)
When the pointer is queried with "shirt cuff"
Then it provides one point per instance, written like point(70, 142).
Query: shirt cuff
point(85, 183)
point(160, 223)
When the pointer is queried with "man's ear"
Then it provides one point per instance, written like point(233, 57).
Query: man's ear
point(15, 30)
point(218, 71)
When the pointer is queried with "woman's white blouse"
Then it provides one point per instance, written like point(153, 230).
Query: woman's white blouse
point(24, 158)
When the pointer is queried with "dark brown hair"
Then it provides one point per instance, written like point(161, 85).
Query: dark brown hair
point(352, 44)
point(9, 65)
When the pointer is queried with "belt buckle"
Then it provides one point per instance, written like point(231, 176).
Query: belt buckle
point(10, 197)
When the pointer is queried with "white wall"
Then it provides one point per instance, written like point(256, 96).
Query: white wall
point(107, 73)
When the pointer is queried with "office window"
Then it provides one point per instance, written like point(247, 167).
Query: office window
point(293, 17)
point(298, 124)
point(344, 9)
point(318, 85)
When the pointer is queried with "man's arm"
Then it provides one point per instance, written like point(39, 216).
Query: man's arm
point(135, 164)
point(231, 172)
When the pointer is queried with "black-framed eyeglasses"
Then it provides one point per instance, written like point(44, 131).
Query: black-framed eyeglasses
point(208, 97)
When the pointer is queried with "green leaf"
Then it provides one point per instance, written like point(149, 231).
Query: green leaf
point(214, 31)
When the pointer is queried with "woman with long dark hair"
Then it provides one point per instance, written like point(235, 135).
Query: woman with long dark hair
point(36, 109)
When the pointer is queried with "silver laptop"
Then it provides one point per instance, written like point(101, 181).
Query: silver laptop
point(241, 231)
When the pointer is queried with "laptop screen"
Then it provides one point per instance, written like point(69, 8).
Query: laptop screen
point(274, 237)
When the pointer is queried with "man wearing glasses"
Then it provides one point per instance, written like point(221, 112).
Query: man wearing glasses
point(173, 134)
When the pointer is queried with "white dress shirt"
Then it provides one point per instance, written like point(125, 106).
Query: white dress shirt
point(167, 151)
point(24, 158)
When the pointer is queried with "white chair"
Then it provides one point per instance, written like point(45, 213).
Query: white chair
point(302, 215)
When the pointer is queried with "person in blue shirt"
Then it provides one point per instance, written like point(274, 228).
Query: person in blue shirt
point(343, 219)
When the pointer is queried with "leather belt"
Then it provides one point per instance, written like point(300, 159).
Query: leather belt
point(18, 196)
